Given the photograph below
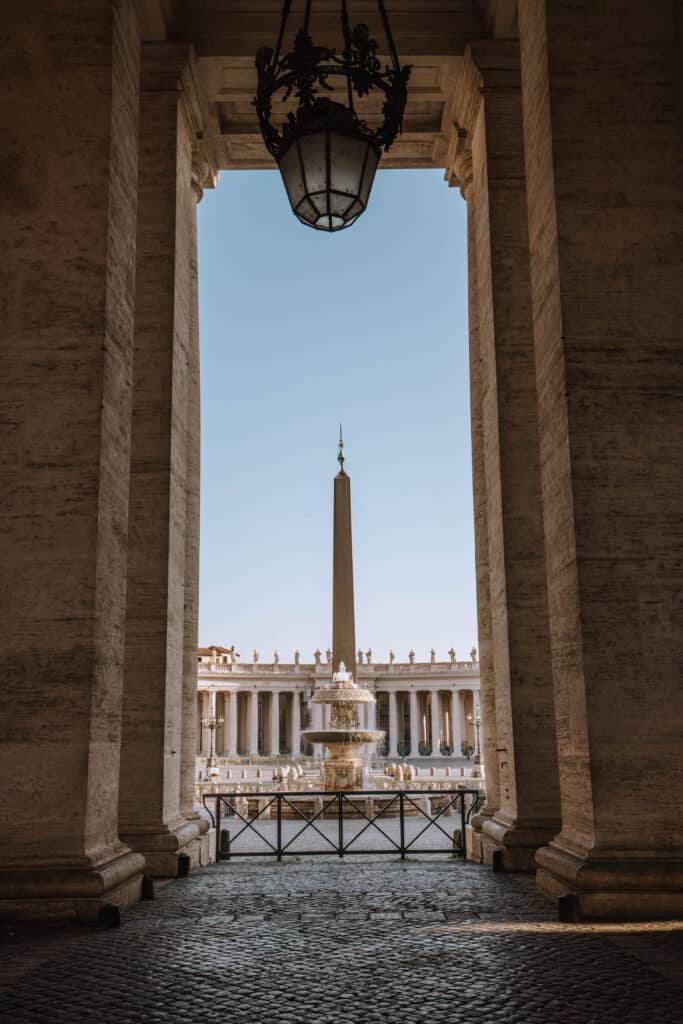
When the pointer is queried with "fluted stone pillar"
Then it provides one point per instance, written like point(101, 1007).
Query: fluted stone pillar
point(275, 722)
point(372, 715)
point(296, 723)
point(150, 816)
point(189, 726)
point(456, 723)
point(317, 715)
point(436, 723)
point(253, 722)
point(460, 173)
point(393, 725)
point(603, 155)
point(414, 724)
point(529, 809)
point(67, 279)
point(232, 723)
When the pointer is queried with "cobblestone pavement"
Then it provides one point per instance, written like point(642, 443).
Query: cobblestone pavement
point(352, 942)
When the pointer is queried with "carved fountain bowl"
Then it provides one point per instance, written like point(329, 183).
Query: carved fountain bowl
point(347, 737)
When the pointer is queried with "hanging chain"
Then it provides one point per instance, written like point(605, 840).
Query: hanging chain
point(387, 33)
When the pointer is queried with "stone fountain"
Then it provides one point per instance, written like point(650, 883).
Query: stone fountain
point(343, 768)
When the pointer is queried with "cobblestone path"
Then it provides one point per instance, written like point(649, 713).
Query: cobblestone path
point(358, 942)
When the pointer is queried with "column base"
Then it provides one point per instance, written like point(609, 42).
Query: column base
point(474, 837)
point(80, 892)
point(163, 848)
point(512, 847)
point(611, 887)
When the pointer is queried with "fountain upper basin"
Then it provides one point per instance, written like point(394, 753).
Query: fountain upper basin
point(346, 736)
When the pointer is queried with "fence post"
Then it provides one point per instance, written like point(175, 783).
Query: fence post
point(462, 825)
point(218, 827)
point(278, 800)
point(401, 825)
point(340, 822)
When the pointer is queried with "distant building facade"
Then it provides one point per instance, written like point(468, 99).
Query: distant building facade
point(257, 709)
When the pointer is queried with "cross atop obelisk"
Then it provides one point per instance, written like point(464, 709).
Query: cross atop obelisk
point(343, 618)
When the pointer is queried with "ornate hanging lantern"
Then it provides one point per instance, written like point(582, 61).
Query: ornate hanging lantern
point(326, 153)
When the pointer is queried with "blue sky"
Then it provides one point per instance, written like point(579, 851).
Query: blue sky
point(299, 330)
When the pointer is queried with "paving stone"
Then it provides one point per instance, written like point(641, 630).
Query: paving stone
point(372, 941)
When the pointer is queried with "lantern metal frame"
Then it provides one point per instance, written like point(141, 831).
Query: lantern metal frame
point(306, 71)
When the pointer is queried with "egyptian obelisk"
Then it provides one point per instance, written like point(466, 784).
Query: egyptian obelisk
point(343, 620)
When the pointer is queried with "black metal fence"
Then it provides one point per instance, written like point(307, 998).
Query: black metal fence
point(271, 824)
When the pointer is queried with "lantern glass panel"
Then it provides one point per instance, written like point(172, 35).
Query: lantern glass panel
point(290, 168)
point(314, 159)
point(369, 176)
point(347, 157)
point(307, 211)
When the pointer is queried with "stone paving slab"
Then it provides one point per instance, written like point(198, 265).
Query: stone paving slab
point(339, 942)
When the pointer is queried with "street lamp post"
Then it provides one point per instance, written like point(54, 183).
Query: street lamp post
point(211, 722)
point(476, 721)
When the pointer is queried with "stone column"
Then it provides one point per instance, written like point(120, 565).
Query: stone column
point(189, 727)
point(372, 715)
point(204, 695)
point(150, 818)
point(393, 725)
point(232, 722)
point(414, 724)
point(460, 173)
point(436, 723)
point(605, 224)
point(67, 279)
point(296, 723)
point(529, 812)
point(275, 722)
point(317, 724)
point(253, 722)
point(456, 723)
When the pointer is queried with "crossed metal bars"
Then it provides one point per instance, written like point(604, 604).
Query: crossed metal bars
point(394, 803)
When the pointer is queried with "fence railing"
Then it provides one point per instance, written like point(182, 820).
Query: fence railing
point(397, 821)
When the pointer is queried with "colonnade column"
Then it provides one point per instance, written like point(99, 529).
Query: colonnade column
point(372, 715)
point(414, 724)
point(456, 724)
point(460, 173)
point(67, 281)
point(436, 723)
point(529, 809)
point(149, 807)
point(317, 724)
point(189, 726)
point(393, 725)
point(232, 722)
point(605, 223)
point(296, 724)
point(275, 722)
point(253, 722)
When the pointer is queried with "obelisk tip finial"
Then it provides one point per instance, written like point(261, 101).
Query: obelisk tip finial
point(340, 450)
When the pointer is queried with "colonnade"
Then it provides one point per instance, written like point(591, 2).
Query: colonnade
point(251, 722)
point(425, 722)
point(567, 148)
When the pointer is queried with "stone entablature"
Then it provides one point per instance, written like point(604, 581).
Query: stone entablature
point(260, 708)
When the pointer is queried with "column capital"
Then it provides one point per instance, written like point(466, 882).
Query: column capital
point(172, 68)
point(459, 162)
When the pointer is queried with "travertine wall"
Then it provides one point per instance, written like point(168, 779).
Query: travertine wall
point(462, 159)
point(190, 726)
point(155, 625)
point(67, 294)
point(602, 89)
point(524, 716)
